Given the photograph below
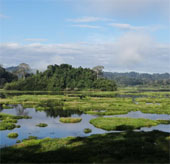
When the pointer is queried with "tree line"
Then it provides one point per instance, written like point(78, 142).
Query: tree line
point(63, 77)
point(134, 78)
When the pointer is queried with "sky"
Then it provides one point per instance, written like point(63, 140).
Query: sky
point(121, 35)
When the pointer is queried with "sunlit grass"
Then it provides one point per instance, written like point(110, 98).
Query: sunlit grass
point(70, 120)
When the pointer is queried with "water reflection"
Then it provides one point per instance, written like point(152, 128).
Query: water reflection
point(61, 113)
point(139, 114)
point(57, 129)
point(54, 129)
point(21, 111)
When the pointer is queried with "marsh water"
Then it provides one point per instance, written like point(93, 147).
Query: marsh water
point(57, 129)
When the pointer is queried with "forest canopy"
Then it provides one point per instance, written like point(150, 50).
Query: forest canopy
point(63, 77)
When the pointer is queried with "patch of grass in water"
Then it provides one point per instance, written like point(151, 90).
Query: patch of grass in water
point(87, 130)
point(42, 125)
point(12, 135)
point(117, 123)
point(7, 126)
point(8, 121)
point(70, 120)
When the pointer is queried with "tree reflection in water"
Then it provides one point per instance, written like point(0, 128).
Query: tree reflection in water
point(20, 110)
point(61, 113)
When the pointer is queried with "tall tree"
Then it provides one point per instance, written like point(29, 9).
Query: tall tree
point(98, 69)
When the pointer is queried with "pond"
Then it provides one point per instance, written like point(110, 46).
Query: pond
point(54, 129)
point(57, 129)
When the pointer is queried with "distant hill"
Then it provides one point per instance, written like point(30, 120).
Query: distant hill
point(134, 78)
point(63, 77)
point(21, 71)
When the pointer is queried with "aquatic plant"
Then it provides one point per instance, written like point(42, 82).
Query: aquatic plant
point(117, 123)
point(8, 121)
point(12, 135)
point(70, 120)
point(42, 125)
point(87, 130)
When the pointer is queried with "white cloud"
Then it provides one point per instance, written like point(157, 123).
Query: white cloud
point(136, 28)
point(128, 26)
point(36, 39)
point(132, 51)
point(88, 19)
point(86, 26)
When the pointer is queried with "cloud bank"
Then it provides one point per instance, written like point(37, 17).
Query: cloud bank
point(130, 52)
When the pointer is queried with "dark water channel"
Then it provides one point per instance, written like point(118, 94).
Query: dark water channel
point(57, 129)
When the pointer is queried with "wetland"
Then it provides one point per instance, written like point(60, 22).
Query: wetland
point(71, 121)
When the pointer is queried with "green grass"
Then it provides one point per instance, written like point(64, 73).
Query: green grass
point(7, 126)
point(8, 121)
point(87, 130)
point(12, 135)
point(163, 121)
point(93, 102)
point(42, 125)
point(30, 138)
point(117, 123)
point(125, 147)
point(70, 120)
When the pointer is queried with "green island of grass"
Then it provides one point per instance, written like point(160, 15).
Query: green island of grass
point(8, 121)
point(87, 130)
point(12, 135)
point(42, 125)
point(117, 123)
point(70, 120)
point(124, 147)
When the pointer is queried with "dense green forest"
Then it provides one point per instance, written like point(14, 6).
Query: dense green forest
point(63, 77)
point(6, 76)
point(134, 78)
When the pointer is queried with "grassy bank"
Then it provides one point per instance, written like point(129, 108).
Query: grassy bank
point(127, 147)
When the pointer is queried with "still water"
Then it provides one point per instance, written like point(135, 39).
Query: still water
point(57, 129)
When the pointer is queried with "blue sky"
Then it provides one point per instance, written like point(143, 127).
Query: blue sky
point(131, 35)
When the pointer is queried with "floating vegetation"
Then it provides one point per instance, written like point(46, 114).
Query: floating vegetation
point(118, 123)
point(8, 121)
point(42, 125)
point(87, 130)
point(70, 120)
point(12, 135)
